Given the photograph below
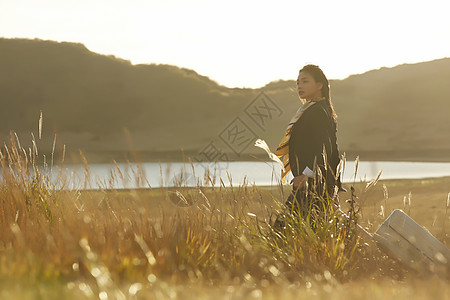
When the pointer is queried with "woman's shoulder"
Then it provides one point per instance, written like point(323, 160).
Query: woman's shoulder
point(317, 114)
point(312, 115)
point(317, 108)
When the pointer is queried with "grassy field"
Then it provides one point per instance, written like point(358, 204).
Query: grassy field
point(201, 243)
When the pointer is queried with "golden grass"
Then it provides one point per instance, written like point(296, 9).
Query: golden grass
point(119, 244)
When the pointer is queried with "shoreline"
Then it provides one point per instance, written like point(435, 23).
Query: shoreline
point(104, 157)
point(395, 181)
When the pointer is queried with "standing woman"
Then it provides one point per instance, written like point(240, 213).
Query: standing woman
point(309, 146)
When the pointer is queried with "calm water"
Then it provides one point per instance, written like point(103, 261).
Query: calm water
point(260, 173)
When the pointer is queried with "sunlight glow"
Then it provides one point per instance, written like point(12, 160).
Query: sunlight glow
point(242, 43)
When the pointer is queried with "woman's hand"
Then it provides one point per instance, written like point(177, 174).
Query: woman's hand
point(298, 181)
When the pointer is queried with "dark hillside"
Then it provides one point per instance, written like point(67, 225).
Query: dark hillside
point(91, 100)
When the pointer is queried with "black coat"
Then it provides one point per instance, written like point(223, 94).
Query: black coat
point(315, 129)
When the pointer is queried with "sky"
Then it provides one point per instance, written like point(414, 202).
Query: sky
point(242, 43)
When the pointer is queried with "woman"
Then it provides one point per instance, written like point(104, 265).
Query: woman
point(309, 147)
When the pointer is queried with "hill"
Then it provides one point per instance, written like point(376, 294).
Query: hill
point(401, 111)
point(105, 106)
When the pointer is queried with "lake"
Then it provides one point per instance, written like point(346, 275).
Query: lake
point(260, 173)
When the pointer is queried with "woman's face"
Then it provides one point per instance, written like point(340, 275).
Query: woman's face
point(307, 87)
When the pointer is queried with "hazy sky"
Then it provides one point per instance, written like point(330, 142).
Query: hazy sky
point(242, 43)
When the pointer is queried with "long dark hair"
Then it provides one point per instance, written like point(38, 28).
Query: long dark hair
point(319, 76)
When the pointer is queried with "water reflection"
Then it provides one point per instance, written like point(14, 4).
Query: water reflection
point(260, 173)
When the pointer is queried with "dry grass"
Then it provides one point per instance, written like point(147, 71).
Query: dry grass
point(119, 244)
